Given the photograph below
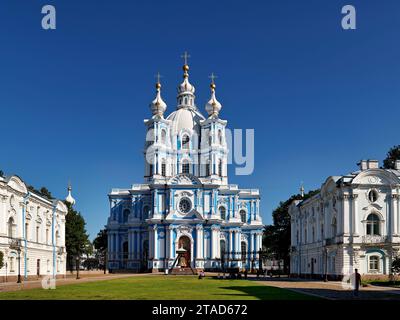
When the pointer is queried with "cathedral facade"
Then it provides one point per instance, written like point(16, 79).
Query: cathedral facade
point(185, 201)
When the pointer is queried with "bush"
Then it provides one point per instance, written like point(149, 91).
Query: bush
point(1, 259)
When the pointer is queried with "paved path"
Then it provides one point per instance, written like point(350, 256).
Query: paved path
point(12, 286)
point(333, 290)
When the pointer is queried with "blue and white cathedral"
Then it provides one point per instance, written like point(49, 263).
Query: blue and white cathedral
point(185, 200)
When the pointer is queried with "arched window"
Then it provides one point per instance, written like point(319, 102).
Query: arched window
point(220, 137)
point(373, 223)
point(57, 238)
point(125, 251)
point(243, 216)
point(11, 229)
point(210, 139)
point(151, 170)
point(185, 142)
point(126, 215)
point(373, 264)
point(222, 212)
point(163, 136)
point(220, 168)
point(146, 212)
point(334, 227)
point(207, 169)
point(313, 234)
point(163, 168)
point(185, 167)
point(243, 251)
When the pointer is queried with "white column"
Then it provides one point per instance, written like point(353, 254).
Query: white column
point(218, 249)
point(199, 241)
point(171, 242)
point(3, 215)
point(251, 245)
point(155, 242)
point(355, 215)
point(398, 214)
point(230, 244)
point(393, 214)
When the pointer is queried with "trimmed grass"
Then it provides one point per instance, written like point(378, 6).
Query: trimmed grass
point(160, 288)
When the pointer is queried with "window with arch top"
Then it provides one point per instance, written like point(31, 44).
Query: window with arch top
point(222, 212)
point(163, 136)
point(334, 227)
point(185, 167)
point(220, 137)
point(146, 212)
point(185, 142)
point(373, 225)
point(163, 168)
point(242, 216)
point(126, 215)
point(220, 168)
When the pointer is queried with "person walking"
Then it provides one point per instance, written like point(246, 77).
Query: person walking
point(357, 282)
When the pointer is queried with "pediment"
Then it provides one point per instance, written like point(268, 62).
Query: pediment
point(184, 179)
point(17, 184)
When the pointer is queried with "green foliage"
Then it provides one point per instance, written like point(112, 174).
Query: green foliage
point(42, 192)
point(101, 243)
point(91, 263)
point(276, 238)
point(396, 266)
point(391, 157)
point(1, 259)
point(76, 237)
point(1, 173)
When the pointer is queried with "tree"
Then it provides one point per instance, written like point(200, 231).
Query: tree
point(396, 266)
point(91, 263)
point(276, 237)
point(391, 157)
point(46, 193)
point(1, 259)
point(101, 243)
point(1, 174)
point(76, 238)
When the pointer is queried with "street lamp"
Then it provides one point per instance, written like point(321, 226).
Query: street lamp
point(77, 267)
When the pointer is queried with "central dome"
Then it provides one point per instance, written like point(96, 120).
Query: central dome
point(185, 118)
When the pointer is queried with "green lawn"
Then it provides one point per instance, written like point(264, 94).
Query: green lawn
point(161, 287)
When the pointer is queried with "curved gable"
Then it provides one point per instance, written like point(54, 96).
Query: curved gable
point(17, 184)
point(376, 177)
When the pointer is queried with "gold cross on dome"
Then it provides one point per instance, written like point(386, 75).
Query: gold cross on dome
point(213, 77)
point(185, 57)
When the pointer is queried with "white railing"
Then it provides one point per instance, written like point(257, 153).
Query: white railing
point(374, 239)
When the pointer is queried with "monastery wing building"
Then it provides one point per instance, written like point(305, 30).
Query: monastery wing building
point(32, 232)
point(185, 200)
point(352, 223)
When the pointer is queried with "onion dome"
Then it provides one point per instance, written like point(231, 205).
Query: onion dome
point(69, 198)
point(213, 106)
point(158, 106)
point(185, 87)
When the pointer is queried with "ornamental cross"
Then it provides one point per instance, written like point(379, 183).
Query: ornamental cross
point(185, 57)
point(158, 76)
point(213, 77)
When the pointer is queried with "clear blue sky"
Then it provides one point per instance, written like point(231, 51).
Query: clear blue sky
point(73, 100)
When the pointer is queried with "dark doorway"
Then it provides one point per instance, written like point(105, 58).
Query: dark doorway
point(125, 254)
point(184, 242)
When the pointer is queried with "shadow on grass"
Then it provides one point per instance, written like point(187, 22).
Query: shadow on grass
point(266, 293)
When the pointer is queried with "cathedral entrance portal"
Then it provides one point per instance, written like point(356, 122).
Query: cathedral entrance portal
point(184, 242)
